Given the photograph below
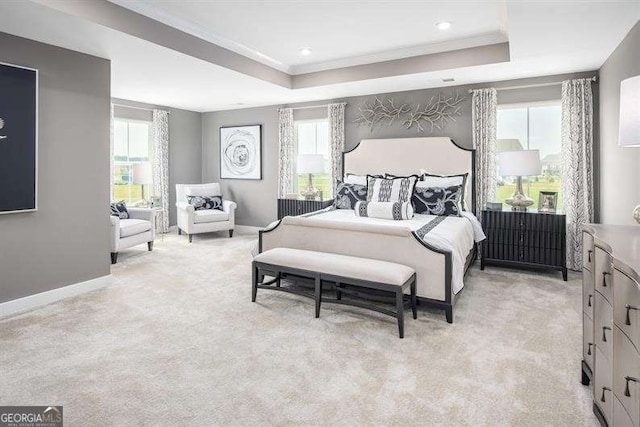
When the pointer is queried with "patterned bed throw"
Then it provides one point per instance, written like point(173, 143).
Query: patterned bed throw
point(384, 210)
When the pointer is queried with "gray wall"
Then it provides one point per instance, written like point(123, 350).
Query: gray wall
point(257, 199)
point(185, 143)
point(619, 167)
point(67, 240)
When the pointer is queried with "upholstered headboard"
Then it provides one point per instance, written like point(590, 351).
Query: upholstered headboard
point(406, 156)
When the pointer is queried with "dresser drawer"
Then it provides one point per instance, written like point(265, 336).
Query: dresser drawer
point(626, 304)
point(588, 349)
point(587, 292)
point(620, 416)
point(587, 251)
point(603, 323)
point(626, 374)
point(602, 275)
point(602, 386)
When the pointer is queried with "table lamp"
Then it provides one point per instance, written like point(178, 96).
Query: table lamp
point(629, 135)
point(310, 164)
point(519, 163)
point(142, 176)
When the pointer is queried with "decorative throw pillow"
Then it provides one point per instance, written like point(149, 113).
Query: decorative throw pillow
point(384, 210)
point(205, 202)
point(348, 194)
point(441, 201)
point(119, 209)
point(397, 189)
point(433, 180)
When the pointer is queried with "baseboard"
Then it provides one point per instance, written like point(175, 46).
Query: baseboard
point(249, 229)
point(30, 302)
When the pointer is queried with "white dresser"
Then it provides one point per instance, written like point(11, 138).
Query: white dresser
point(611, 322)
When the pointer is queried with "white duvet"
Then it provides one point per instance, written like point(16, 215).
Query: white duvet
point(454, 234)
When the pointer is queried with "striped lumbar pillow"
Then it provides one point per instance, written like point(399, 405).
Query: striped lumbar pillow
point(384, 210)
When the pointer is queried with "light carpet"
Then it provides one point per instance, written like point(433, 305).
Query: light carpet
point(176, 341)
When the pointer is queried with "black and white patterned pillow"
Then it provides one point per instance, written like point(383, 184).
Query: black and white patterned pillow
point(347, 195)
point(433, 180)
point(441, 201)
point(205, 202)
point(119, 209)
point(397, 189)
point(385, 210)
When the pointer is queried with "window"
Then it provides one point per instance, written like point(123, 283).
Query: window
point(312, 137)
point(535, 126)
point(131, 146)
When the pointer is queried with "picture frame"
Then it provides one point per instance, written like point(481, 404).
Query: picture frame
point(18, 138)
point(494, 206)
point(241, 152)
point(548, 201)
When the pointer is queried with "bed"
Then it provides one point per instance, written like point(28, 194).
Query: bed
point(440, 249)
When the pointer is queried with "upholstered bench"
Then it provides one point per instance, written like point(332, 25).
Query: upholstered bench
point(339, 270)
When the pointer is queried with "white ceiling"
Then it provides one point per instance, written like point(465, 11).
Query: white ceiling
point(545, 38)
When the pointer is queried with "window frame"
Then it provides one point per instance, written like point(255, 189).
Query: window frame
point(130, 163)
point(296, 189)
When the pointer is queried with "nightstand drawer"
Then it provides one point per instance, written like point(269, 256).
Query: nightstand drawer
point(603, 385)
point(626, 375)
point(603, 326)
point(620, 415)
point(588, 349)
point(603, 273)
point(587, 251)
point(626, 304)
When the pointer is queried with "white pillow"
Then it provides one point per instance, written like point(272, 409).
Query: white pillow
point(203, 190)
point(355, 179)
point(385, 210)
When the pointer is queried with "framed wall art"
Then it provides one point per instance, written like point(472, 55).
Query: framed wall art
point(18, 139)
point(241, 152)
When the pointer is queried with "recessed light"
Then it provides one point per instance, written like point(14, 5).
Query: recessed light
point(305, 51)
point(444, 25)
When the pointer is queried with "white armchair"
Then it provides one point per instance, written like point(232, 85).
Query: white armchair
point(193, 221)
point(139, 228)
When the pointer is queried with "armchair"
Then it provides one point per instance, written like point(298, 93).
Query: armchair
point(193, 221)
point(139, 228)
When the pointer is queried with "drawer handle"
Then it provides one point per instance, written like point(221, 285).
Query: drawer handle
point(589, 256)
point(629, 307)
point(604, 278)
point(589, 348)
point(604, 335)
point(603, 390)
point(589, 302)
point(626, 387)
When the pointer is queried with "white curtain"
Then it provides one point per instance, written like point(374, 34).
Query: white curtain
point(286, 162)
point(336, 140)
point(111, 141)
point(160, 166)
point(577, 165)
point(484, 106)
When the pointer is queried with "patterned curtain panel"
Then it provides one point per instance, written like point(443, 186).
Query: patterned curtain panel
point(577, 166)
point(111, 140)
point(336, 140)
point(484, 106)
point(160, 166)
point(286, 162)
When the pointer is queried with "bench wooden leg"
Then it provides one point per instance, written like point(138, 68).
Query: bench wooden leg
point(278, 278)
point(414, 299)
point(338, 292)
point(254, 281)
point(318, 295)
point(400, 311)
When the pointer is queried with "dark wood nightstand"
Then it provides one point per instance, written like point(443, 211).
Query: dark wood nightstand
point(295, 207)
point(529, 239)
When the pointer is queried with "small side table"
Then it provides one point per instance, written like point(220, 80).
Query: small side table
point(527, 239)
point(295, 207)
point(157, 211)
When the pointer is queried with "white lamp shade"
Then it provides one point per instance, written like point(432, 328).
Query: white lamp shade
point(310, 163)
point(520, 163)
point(142, 174)
point(629, 135)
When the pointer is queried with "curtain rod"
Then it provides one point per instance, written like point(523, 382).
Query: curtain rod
point(138, 108)
point(593, 79)
point(315, 106)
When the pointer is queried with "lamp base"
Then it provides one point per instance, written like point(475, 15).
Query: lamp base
point(519, 202)
point(636, 214)
point(310, 193)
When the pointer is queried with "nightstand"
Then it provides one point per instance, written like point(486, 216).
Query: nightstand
point(295, 207)
point(527, 239)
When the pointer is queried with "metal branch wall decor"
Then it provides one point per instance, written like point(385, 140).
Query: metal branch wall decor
point(434, 114)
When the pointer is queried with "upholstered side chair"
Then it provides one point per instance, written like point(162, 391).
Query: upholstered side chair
point(192, 221)
point(139, 228)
